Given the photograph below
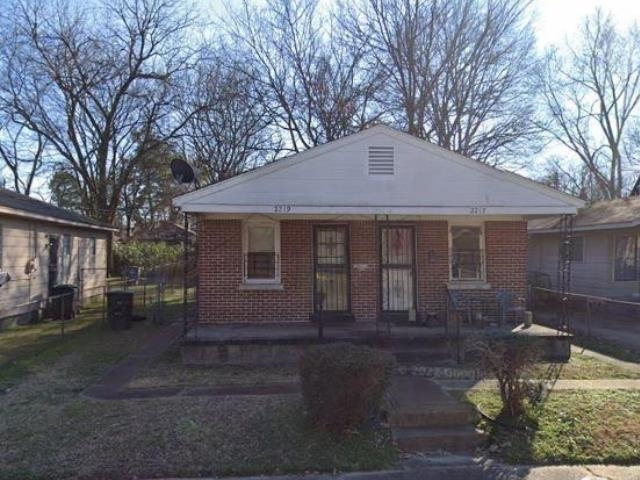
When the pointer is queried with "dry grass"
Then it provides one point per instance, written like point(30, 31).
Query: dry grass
point(168, 370)
point(569, 427)
point(49, 430)
point(584, 367)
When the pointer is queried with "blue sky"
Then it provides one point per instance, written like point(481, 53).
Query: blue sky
point(556, 20)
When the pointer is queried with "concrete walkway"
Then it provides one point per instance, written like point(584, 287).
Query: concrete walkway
point(634, 367)
point(467, 468)
point(109, 386)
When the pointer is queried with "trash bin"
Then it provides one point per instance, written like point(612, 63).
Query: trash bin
point(62, 302)
point(119, 309)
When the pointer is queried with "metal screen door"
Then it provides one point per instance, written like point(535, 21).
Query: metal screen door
point(331, 265)
point(397, 268)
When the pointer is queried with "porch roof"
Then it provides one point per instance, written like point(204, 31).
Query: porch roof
point(379, 171)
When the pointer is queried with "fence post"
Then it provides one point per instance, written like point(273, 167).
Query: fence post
point(104, 304)
point(588, 318)
point(62, 312)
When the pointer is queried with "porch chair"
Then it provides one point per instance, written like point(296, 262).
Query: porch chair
point(458, 305)
point(509, 304)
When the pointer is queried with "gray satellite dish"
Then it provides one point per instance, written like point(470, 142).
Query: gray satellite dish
point(182, 171)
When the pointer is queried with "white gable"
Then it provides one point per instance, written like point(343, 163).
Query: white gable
point(379, 171)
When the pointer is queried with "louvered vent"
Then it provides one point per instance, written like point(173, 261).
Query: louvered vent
point(381, 160)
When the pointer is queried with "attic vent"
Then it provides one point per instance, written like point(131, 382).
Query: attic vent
point(381, 160)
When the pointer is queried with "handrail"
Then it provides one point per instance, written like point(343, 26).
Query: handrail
point(589, 297)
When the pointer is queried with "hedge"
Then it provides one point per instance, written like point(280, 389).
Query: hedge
point(343, 385)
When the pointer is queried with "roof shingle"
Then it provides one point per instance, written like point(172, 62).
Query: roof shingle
point(18, 201)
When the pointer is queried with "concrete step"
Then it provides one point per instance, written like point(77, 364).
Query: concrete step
point(433, 417)
point(452, 440)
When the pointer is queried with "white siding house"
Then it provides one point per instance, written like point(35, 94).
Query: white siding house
point(42, 246)
point(606, 249)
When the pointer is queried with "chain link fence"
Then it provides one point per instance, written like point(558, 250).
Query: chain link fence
point(160, 295)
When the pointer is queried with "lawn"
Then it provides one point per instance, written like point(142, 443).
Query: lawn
point(49, 430)
point(168, 371)
point(24, 347)
point(568, 427)
point(583, 367)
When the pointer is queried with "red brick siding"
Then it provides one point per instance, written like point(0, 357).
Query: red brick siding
point(506, 256)
point(432, 265)
point(220, 266)
point(220, 275)
point(364, 270)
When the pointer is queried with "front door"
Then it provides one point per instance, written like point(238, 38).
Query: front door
point(397, 268)
point(53, 261)
point(331, 271)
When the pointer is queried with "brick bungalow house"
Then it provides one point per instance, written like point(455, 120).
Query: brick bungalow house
point(375, 225)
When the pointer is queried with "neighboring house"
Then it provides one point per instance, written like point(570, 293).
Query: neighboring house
point(376, 225)
point(41, 246)
point(606, 249)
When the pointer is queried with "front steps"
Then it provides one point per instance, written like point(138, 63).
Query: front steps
point(426, 419)
point(451, 440)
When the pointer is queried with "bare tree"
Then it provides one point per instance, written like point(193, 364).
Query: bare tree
point(313, 82)
point(591, 95)
point(92, 82)
point(231, 131)
point(574, 179)
point(22, 152)
point(457, 73)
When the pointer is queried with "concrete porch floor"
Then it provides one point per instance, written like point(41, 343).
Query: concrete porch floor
point(365, 332)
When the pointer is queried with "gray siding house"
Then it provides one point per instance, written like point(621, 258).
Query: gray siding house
point(42, 246)
point(606, 249)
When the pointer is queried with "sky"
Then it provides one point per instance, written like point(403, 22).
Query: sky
point(557, 20)
point(554, 20)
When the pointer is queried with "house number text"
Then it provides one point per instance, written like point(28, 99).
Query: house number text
point(282, 208)
point(478, 210)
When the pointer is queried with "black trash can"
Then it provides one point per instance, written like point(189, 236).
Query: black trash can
point(62, 301)
point(119, 309)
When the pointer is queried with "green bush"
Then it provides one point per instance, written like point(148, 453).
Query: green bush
point(147, 255)
point(343, 385)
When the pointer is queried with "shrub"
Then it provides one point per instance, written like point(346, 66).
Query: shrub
point(146, 254)
point(343, 385)
point(511, 361)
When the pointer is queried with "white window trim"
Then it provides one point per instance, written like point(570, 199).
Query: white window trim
point(256, 282)
point(471, 282)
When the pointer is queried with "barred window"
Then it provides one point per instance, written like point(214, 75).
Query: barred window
point(261, 251)
point(467, 255)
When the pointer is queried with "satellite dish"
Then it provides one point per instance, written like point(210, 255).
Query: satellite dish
point(182, 171)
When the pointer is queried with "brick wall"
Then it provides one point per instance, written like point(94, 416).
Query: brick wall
point(220, 265)
point(506, 256)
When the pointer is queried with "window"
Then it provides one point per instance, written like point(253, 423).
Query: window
point(261, 249)
point(466, 245)
point(92, 252)
point(65, 260)
point(626, 258)
point(577, 249)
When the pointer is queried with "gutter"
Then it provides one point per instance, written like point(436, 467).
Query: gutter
point(588, 228)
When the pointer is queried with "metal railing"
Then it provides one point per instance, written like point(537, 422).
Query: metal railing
point(571, 301)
